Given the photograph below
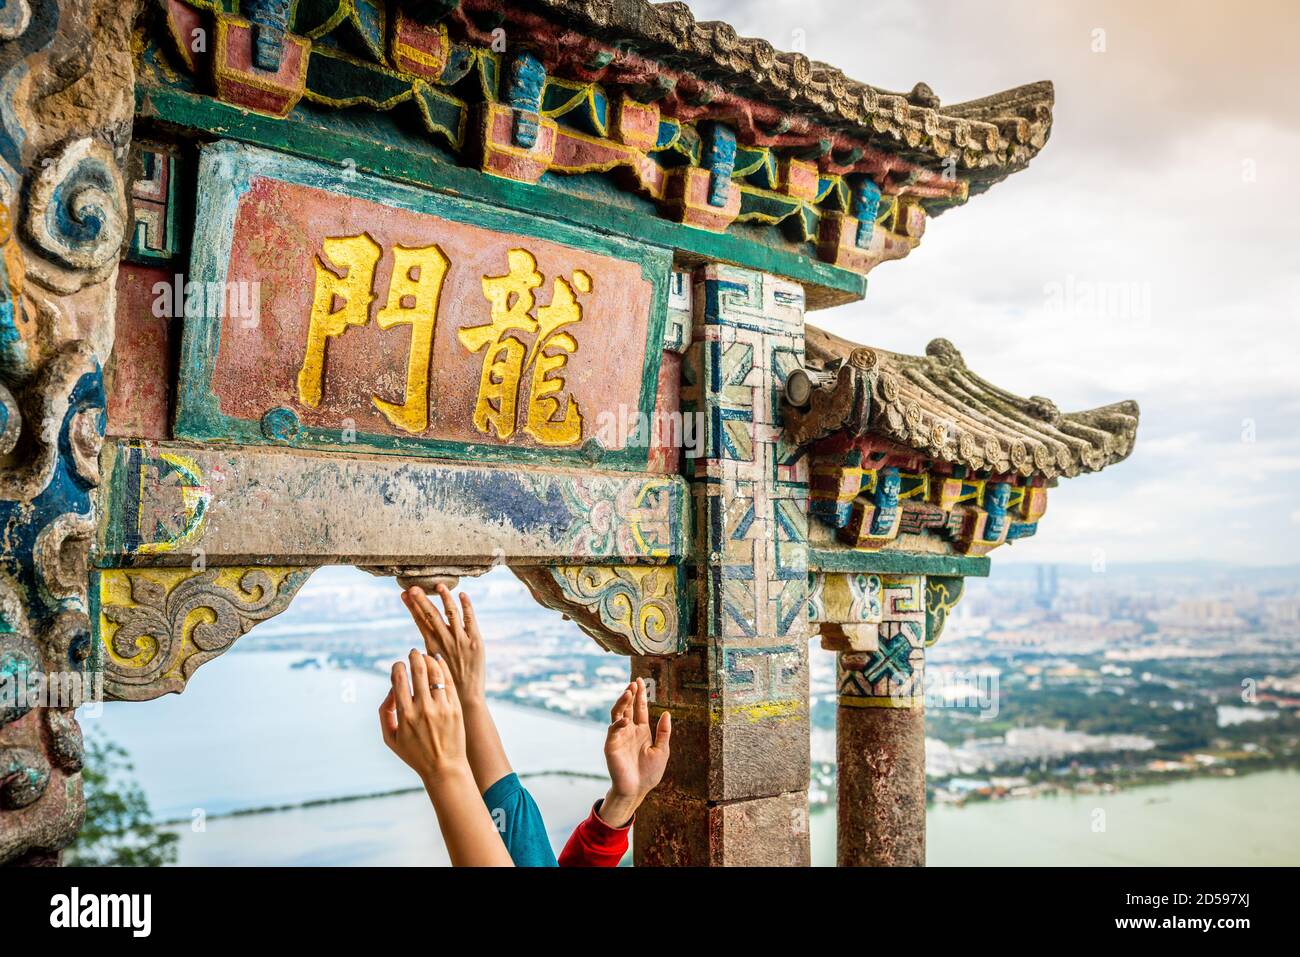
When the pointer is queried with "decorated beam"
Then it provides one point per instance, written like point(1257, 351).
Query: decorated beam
point(196, 546)
point(167, 503)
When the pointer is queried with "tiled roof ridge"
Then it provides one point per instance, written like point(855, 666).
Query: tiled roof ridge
point(935, 404)
point(992, 136)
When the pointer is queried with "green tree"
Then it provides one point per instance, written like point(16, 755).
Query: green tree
point(119, 829)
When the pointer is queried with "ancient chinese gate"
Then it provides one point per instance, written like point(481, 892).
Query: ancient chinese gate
point(427, 287)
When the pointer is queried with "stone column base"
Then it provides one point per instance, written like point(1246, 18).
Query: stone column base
point(676, 830)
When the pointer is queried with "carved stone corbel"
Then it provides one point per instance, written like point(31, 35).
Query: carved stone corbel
point(158, 625)
point(628, 609)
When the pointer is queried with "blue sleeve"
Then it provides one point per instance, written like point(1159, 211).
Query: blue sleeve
point(516, 816)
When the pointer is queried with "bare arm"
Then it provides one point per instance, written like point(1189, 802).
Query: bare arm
point(457, 642)
point(422, 723)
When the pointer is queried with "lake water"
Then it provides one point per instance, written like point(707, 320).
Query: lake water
point(1249, 820)
point(253, 732)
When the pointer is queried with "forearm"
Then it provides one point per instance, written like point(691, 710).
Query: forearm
point(472, 839)
point(617, 810)
point(483, 747)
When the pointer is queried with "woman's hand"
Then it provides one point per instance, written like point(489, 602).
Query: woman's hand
point(456, 642)
point(636, 758)
point(456, 638)
point(422, 722)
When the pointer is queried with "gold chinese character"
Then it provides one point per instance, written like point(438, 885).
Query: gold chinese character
point(507, 355)
point(511, 298)
point(542, 405)
point(413, 294)
point(357, 255)
point(429, 266)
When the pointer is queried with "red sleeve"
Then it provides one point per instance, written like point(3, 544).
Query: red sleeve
point(595, 844)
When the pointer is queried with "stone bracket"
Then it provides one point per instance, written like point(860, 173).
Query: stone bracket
point(628, 609)
point(890, 675)
point(846, 609)
point(941, 596)
point(158, 625)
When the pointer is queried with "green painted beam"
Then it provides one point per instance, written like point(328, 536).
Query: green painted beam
point(826, 285)
point(895, 563)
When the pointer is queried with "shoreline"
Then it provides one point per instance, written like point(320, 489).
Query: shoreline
point(1060, 791)
point(1114, 787)
point(349, 798)
point(1105, 782)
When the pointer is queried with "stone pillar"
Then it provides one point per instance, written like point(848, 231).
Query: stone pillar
point(64, 134)
point(880, 737)
point(736, 791)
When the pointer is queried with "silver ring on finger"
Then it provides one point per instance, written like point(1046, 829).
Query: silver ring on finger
point(439, 687)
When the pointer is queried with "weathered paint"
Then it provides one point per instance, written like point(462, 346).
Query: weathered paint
point(739, 693)
point(162, 502)
point(672, 830)
point(261, 220)
point(65, 120)
point(896, 563)
point(880, 805)
point(140, 375)
point(891, 675)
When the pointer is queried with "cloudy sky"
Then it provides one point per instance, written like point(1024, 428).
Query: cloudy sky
point(1168, 184)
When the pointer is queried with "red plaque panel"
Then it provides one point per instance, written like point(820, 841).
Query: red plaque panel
point(327, 311)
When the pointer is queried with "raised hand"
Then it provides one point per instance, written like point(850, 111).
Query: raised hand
point(421, 720)
point(456, 637)
point(422, 723)
point(636, 757)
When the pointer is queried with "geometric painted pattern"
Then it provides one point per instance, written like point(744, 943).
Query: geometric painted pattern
point(894, 675)
point(845, 597)
point(677, 329)
point(750, 485)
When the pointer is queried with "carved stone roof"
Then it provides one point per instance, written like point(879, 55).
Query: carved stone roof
point(934, 404)
point(990, 137)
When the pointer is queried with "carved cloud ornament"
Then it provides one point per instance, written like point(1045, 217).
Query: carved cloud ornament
point(161, 625)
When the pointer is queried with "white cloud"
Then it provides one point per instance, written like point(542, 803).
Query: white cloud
point(1143, 185)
